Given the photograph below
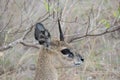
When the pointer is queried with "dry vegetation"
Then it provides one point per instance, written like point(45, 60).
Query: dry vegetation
point(92, 26)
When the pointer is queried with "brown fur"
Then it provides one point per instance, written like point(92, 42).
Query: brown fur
point(45, 69)
point(50, 59)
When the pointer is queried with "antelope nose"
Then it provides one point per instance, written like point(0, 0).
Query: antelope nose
point(82, 60)
point(79, 59)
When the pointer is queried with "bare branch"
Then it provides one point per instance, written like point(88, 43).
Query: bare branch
point(29, 45)
point(21, 40)
point(11, 45)
point(88, 25)
point(6, 6)
point(6, 24)
point(43, 16)
point(99, 34)
point(29, 29)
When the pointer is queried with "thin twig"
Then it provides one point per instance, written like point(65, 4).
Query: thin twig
point(29, 45)
point(88, 25)
point(6, 24)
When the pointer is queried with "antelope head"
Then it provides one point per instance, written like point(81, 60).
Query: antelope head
point(61, 51)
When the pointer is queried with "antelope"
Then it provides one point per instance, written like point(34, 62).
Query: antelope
point(53, 54)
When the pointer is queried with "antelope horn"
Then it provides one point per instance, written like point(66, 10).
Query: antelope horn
point(60, 30)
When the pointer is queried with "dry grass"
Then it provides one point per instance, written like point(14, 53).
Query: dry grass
point(102, 58)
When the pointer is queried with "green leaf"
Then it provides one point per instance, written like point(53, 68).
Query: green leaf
point(106, 23)
point(103, 21)
point(46, 5)
point(115, 14)
point(119, 10)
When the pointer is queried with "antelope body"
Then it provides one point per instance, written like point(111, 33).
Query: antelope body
point(53, 54)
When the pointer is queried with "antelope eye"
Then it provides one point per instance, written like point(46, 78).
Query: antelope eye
point(67, 52)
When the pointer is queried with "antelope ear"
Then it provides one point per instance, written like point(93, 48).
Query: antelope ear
point(42, 35)
point(60, 31)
